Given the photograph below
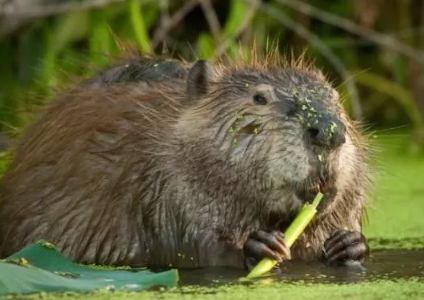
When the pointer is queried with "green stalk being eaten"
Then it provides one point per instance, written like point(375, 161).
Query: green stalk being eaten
point(296, 228)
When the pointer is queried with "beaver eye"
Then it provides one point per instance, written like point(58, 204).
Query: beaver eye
point(259, 100)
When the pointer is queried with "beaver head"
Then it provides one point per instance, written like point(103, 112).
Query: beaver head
point(281, 129)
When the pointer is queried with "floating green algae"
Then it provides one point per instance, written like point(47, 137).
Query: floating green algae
point(383, 289)
point(395, 220)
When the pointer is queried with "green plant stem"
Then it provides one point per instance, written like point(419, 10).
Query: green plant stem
point(292, 233)
point(139, 26)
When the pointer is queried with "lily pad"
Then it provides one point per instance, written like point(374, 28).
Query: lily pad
point(39, 267)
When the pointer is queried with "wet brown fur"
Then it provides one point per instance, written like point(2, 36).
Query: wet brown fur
point(110, 174)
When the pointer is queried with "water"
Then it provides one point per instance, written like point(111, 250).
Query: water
point(391, 264)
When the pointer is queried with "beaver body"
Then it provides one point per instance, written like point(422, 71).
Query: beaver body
point(190, 169)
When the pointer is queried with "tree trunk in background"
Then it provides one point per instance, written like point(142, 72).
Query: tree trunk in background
point(367, 11)
point(9, 23)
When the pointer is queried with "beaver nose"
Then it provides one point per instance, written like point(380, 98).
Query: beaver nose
point(327, 133)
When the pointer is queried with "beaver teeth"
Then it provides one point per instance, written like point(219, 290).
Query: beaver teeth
point(320, 186)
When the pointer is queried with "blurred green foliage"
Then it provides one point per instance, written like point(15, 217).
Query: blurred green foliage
point(5, 159)
point(49, 51)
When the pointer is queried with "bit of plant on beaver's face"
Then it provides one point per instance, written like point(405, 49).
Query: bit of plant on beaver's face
point(265, 118)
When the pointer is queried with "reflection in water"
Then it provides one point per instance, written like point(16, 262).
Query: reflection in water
point(391, 264)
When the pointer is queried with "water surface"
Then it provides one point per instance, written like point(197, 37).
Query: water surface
point(387, 264)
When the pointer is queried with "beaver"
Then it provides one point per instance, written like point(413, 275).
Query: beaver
point(194, 165)
point(134, 68)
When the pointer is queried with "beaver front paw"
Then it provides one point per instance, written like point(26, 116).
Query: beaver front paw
point(262, 244)
point(343, 246)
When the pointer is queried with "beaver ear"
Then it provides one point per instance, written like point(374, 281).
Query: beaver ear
point(200, 77)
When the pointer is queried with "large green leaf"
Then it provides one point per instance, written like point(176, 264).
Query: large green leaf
point(41, 268)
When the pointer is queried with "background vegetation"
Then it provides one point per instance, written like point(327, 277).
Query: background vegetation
point(373, 50)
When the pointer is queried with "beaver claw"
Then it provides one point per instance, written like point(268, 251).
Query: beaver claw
point(344, 246)
point(262, 244)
